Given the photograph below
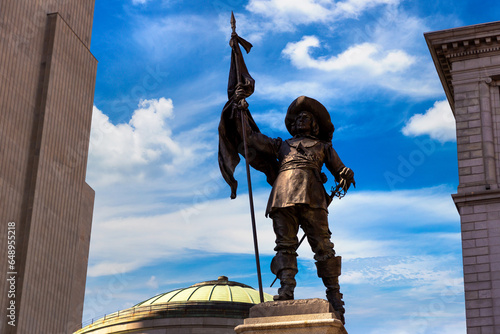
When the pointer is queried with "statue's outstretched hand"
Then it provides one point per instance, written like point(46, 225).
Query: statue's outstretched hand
point(347, 178)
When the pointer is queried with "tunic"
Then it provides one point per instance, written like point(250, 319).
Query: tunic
point(299, 180)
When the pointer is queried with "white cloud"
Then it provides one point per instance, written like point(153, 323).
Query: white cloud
point(437, 122)
point(434, 206)
point(430, 322)
point(353, 8)
point(139, 2)
point(125, 244)
point(273, 119)
point(141, 149)
point(427, 291)
point(436, 310)
point(153, 282)
point(423, 270)
point(275, 89)
point(385, 54)
point(132, 242)
point(397, 27)
point(412, 321)
point(286, 14)
point(367, 56)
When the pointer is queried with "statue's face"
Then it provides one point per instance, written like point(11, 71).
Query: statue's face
point(303, 123)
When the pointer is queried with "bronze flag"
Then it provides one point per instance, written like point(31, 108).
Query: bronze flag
point(240, 86)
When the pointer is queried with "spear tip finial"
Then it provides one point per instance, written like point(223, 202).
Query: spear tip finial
point(233, 22)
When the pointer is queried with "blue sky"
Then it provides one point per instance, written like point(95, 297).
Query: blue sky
point(163, 218)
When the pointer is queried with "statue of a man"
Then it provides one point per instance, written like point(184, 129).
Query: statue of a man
point(293, 168)
point(298, 197)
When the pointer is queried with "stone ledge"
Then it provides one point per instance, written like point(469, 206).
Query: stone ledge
point(291, 318)
point(318, 326)
point(303, 316)
point(479, 197)
point(290, 307)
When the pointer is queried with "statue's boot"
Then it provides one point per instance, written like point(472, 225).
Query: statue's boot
point(288, 283)
point(329, 271)
point(284, 265)
point(334, 296)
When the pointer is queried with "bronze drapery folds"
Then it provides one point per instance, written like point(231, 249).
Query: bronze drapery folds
point(240, 86)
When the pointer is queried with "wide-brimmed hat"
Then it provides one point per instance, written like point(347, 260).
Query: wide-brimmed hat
point(304, 103)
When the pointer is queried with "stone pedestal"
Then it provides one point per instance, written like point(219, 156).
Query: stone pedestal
point(303, 316)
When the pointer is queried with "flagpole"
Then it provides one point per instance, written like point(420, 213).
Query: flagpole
point(252, 212)
point(249, 180)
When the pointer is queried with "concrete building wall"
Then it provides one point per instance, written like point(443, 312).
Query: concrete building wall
point(46, 96)
point(468, 63)
point(477, 112)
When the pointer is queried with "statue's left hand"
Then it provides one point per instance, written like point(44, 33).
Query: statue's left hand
point(347, 178)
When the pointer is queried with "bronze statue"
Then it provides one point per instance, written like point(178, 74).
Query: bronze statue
point(293, 168)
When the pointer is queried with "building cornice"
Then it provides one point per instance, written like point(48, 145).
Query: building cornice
point(475, 198)
point(448, 46)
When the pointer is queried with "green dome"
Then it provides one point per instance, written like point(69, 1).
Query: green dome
point(221, 290)
point(222, 299)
